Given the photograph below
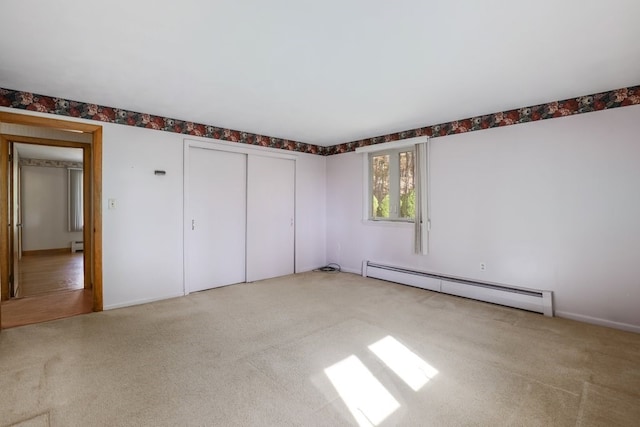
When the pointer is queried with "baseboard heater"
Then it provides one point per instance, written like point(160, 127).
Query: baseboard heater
point(526, 299)
point(77, 246)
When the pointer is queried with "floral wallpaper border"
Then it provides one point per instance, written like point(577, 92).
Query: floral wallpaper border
point(46, 163)
point(64, 107)
point(582, 104)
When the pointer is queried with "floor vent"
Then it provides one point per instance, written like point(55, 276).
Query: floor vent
point(527, 299)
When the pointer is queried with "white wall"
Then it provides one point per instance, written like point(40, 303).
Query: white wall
point(550, 205)
point(311, 212)
point(143, 237)
point(44, 209)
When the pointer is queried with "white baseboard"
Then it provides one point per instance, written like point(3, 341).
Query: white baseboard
point(598, 321)
point(536, 300)
point(141, 301)
point(351, 270)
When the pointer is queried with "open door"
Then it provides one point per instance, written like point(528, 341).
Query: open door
point(5, 221)
point(16, 222)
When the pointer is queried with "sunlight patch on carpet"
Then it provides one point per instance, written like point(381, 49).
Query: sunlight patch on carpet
point(366, 398)
point(410, 367)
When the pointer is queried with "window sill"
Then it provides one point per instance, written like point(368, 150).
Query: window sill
point(383, 223)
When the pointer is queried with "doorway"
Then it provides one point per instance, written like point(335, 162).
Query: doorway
point(76, 263)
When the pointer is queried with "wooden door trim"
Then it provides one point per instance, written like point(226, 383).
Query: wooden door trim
point(93, 231)
point(24, 119)
point(44, 141)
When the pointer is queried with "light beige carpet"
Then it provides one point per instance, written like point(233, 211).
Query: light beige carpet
point(318, 349)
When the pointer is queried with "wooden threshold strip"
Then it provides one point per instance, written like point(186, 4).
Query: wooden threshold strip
point(55, 251)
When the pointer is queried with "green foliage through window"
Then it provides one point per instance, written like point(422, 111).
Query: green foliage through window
point(408, 205)
point(381, 209)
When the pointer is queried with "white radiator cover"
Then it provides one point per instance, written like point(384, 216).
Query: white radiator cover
point(538, 301)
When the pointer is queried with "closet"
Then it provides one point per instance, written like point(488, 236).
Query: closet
point(239, 215)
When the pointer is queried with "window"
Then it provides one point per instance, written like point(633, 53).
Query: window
point(76, 216)
point(396, 180)
point(392, 192)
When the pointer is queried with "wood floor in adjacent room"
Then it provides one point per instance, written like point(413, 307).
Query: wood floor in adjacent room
point(51, 287)
point(318, 349)
point(42, 274)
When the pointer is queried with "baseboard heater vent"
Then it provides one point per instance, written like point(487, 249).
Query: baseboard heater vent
point(77, 246)
point(526, 299)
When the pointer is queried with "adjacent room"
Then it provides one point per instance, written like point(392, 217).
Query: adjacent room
point(46, 257)
point(320, 213)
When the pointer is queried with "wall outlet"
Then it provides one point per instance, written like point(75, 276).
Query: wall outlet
point(483, 266)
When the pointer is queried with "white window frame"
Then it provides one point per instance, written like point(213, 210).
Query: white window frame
point(393, 149)
point(394, 185)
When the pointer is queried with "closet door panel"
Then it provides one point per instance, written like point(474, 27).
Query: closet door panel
point(215, 219)
point(270, 217)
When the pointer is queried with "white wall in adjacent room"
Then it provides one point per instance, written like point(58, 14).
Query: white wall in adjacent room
point(548, 205)
point(44, 209)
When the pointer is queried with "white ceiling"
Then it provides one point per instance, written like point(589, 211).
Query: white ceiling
point(46, 152)
point(321, 72)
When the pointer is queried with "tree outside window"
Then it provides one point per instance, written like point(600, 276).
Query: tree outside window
point(392, 185)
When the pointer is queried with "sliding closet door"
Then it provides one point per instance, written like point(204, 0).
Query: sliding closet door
point(270, 217)
point(215, 219)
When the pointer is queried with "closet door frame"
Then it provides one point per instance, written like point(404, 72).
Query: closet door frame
point(233, 148)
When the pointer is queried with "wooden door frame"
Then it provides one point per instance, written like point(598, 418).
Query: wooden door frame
point(86, 178)
point(92, 156)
